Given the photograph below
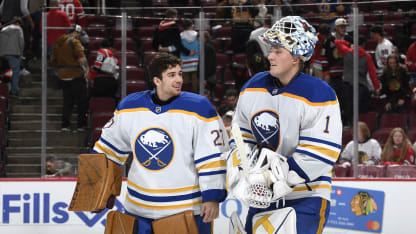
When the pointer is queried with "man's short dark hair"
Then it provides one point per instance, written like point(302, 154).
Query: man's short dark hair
point(362, 40)
point(324, 29)
point(231, 92)
point(161, 62)
point(377, 29)
point(51, 159)
point(268, 20)
point(105, 43)
point(171, 13)
point(186, 24)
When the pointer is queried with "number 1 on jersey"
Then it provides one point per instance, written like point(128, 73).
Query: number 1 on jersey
point(327, 124)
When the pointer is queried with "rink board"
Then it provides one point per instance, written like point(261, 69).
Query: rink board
point(40, 206)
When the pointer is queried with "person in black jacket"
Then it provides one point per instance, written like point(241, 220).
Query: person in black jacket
point(395, 85)
point(167, 36)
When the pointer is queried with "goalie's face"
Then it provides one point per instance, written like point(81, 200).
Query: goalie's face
point(283, 65)
point(170, 84)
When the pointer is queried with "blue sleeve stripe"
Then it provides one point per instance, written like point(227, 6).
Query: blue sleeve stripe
point(246, 130)
point(218, 195)
point(212, 173)
point(113, 147)
point(245, 141)
point(94, 152)
point(163, 199)
point(250, 142)
point(120, 165)
point(315, 156)
point(320, 141)
point(208, 158)
point(295, 167)
point(323, 178)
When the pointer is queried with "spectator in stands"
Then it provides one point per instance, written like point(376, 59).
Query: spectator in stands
point(330, 9)
point(55, 167)
point(411, 59)
point(384, 48)
point(365, 65)
point(243, 13)
point(223, 12)
point(282, 8)
point(74, 10)
point(227, 119)
point(254, 35)
point(262, 11)
point(55, 18)
point(395, 85)
point(210, 63)
point(35, 9)
point(167, 36)
point(319, 61)
point(398, 149)
point(231, 98)
point(189, 39)
point(369, 150)
point(106, 65)
point(11, 47)
point(69, 59)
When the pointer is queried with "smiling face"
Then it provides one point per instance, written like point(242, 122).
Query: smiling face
point(170, 84)
point(283, 65)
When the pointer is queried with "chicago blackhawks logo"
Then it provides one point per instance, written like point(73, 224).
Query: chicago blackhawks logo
point(154, 149)
point(265, 126)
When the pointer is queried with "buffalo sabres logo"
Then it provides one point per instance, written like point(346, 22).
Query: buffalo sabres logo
point(154, 149)
point(266, 128)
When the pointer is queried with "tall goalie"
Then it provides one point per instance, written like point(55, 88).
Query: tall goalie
point(291, 130)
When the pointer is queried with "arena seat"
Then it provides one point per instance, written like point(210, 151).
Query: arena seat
point(222, 60)
point(393, 120)
point(401, 171)
point(96, 32)
point(147, 46)
point(341, 171)
point(136, 74)
point(228, 77)
point(100, 119)
point(240, 59)
point(101, 105)
point(373, 171)
point(381, 135)
point(370, 119)
point(223, 33)
point(96, 20)
point(130, 45)
point(132, 87)
point(346, 137)
point(146, 33)
point(94, 45)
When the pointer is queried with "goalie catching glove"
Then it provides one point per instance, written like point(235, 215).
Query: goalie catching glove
point(269, 179)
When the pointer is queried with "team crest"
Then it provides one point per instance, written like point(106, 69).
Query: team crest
point(266, 128)
point(154, 149)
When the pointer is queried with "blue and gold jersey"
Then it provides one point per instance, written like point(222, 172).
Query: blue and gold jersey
point(176, 149)
point(300, 121)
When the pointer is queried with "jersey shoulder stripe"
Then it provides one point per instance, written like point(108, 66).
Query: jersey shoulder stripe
point(187, 103)
point(312, 89)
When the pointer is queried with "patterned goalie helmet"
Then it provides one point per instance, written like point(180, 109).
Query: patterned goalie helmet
point(294, 34)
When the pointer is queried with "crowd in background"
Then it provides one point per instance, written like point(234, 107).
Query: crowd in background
point(387, 63)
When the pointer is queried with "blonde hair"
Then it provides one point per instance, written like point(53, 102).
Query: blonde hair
point(364, 130)
point(386, 155)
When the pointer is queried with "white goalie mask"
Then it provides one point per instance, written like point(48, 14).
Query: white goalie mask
point(294, 34)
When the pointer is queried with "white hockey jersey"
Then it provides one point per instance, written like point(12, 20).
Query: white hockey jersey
point(300, 121)
point(176, 149)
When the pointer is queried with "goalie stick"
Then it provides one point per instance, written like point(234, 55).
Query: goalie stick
point(238, 138)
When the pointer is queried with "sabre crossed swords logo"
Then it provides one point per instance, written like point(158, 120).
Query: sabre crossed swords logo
point(160, 163)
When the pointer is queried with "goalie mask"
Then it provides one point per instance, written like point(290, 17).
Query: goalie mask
point(294, 34)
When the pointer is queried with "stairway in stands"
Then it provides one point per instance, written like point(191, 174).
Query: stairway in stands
point(24, 134)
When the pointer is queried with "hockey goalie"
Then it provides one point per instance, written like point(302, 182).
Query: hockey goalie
point(286, 137)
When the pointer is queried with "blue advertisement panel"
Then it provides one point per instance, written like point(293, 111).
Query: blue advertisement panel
point(358, 209)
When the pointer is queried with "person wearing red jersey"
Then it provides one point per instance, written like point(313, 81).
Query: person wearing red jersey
point(74, 10)
point(104, 72)
point(55, 18)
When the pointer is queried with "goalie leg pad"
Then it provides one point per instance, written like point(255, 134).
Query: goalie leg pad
point(98, 180)
point(119, 223)
point(277, 221)
point(182, 223)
